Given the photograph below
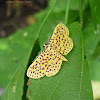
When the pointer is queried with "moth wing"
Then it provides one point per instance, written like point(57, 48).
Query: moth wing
point(38, 68)
point(54, 63)
point(60, 40)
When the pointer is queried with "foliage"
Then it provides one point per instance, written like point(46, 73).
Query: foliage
point(73, 81)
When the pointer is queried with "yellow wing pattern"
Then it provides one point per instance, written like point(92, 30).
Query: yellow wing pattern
point(38, 68)
point(60, 40)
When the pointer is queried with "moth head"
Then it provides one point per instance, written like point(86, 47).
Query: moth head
point(45, 46)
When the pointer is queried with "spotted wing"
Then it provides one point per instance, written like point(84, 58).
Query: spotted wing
point(38, 68)
point(54, 63)
point(60, 40)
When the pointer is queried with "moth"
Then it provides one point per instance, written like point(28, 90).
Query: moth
point(49, 61)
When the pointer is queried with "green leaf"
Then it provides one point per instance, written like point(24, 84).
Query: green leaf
point(13, 50)
point(18, 82)
point(74, 5)
point(72, 82)
point(86, 88)
point(94, 63)
point(95, 11)
point(91, 45)
point(68, 83)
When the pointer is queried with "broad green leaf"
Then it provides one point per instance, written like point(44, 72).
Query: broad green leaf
point(13, 50)
point(18, 82)
point(17, 86)
point(85, 93)
point(91, 45)
point(72, 82)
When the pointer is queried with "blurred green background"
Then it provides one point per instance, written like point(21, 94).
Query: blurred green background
point(20, 32)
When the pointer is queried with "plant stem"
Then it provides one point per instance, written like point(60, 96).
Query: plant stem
point(80, 12)
point(66, 13)
point(47, 16)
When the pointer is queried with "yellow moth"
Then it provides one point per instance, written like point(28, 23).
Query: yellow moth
point(49, 61)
